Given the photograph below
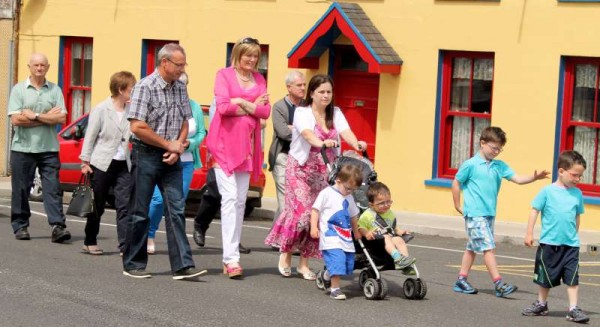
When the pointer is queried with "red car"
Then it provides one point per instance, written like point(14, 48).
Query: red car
point(70, 139)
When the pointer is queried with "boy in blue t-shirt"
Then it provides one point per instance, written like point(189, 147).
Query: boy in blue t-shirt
point(333, 218)
point(480, 178)
point(557, 256)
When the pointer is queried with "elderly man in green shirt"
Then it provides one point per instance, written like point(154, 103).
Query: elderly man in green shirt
point(35, 107)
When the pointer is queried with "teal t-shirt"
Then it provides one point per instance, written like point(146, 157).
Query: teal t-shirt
point(480, 181)
point(40, 138)
point(559, 207)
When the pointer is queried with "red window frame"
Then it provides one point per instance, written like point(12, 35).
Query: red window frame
point(152, 47)
point(567, 138)
point(445, 149)
point(68, 88)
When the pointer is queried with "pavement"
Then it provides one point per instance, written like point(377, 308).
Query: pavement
point(419, 223)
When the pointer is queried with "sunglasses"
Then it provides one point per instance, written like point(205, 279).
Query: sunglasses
point(250, 40)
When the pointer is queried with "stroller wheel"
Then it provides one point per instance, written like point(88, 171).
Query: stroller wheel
point(422, 286)
point(371, 289)
point(411, 288)
point(364, 275)
point(383, 289)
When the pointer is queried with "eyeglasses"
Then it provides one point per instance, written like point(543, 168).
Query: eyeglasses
point(183, 65)
point(575, 175)
point(384, 204)
point(350, 189)
point(250, 40)
point(495, 148)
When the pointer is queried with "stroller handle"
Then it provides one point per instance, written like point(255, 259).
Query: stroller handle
point(328, 163)
point(325, 159)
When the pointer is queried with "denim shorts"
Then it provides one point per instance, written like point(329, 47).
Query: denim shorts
point(338, 262)
point(480, 232)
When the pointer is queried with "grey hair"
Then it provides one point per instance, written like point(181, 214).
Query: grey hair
point(167, 51)
point(184, 78)
point(291, 77)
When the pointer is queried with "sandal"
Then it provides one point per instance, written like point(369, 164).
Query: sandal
point(93, 251)
point(150, 247)
point(308, 275)
point(233, 270)
point(284, 271)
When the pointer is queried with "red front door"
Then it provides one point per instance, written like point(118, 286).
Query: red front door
point(356, 93)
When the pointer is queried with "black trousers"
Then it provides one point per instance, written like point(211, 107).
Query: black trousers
point(210, 202)
point(118, 177)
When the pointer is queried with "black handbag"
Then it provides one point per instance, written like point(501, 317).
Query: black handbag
point(82, 202)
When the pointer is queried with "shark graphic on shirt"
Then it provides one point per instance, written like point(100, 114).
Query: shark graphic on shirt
point(339, 224)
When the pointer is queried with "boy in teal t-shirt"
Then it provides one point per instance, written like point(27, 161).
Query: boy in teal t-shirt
point(557, 257)
point(480, 178)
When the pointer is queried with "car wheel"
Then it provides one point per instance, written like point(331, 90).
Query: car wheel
point(35, 194)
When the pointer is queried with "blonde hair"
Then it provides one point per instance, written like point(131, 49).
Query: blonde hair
point(242, 47)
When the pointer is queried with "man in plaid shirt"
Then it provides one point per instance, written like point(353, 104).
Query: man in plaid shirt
point(158, 114)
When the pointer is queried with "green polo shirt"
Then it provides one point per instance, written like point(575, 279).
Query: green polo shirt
point(480, 181)
point(40, 138)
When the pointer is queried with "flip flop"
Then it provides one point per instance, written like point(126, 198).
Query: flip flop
point(284, 271)
point(86, 249)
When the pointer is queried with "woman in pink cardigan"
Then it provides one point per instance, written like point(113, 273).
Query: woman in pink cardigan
point(234, 141)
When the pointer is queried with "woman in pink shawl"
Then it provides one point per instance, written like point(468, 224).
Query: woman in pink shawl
point(234, 141)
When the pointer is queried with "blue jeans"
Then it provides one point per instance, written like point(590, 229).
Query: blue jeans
point(148, 170)
point(156, 205)
point(23, 167)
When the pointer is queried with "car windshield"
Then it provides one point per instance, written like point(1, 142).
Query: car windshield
point(81, 125)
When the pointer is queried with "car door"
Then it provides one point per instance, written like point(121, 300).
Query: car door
point(71, 142)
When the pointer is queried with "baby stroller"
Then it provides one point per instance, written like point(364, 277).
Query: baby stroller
point(371, 257)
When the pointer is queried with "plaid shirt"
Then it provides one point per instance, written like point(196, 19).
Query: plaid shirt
point(164, 107)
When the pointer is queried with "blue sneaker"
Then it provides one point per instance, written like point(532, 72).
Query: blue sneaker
point(505, 289)
point(462, 286)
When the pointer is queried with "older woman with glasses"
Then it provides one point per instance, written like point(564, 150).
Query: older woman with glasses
point(234, 141)
point(318, 124)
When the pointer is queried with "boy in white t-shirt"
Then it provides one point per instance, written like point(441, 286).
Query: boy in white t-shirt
point(333, 218)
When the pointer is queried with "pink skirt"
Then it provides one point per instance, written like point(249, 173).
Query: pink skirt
point(291, 231)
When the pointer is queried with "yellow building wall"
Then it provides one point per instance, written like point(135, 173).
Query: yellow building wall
point(527, 37)
point(6, 31)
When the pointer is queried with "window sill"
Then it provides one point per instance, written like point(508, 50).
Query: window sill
point(439, 182)
point(594, 200)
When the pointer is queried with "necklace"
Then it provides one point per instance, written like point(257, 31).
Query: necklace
point(242, 77)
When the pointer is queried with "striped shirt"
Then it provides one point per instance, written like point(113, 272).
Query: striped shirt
point(163, 106)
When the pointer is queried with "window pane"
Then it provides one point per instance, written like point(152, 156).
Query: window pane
point(76, 104)
point(461, 77)
point(585, 143)
point(76, 64)
point(480, 124)
point(483, 73)
point(87, 105)
point(461, 140)
point(584, 92)
point(87, 65)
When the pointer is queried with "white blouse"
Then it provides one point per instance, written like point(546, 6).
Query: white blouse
point(303, 120)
